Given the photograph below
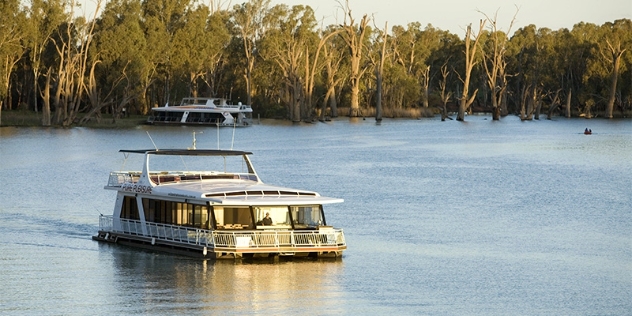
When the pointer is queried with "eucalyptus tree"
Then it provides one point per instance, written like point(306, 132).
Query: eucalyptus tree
point(193, 44)
point(354, 35)
point(44, 18)
point(72, 44)
point(161, 19)
point(379, 73)
point(123, 72)
point(444, 93)
point(217, 30)
point(11, 49)
point(250, 25)
point(58, 43)
point(470, 61)
point(333, 54)
point(618, 40)
point(287, 44)
point(588, 67)
point(314, 65)
point(525, 63)
point(495, 64)
point(406, 66)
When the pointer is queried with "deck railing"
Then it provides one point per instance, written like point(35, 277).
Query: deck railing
point(225, 239)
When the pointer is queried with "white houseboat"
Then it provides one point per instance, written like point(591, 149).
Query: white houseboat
point(203, 111)
point(225, 211)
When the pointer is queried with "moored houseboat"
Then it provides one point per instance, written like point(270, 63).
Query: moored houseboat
point(223, 211)
point(202, 111)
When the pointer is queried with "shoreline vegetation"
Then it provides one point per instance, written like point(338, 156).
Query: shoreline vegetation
point(132, 56)
point(25, 118)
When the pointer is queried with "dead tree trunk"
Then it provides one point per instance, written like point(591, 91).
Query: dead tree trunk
point(568, 103)
point(617, 52)
point(470, 60)
point(355, 42)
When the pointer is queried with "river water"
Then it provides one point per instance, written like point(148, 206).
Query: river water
point(441, 218)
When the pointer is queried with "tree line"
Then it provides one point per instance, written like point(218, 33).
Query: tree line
point(132, 55)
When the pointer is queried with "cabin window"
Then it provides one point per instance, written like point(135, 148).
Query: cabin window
point(279, 214)
point(176, 213)
point(308, 216)
point(232, 217)
point(129, 209)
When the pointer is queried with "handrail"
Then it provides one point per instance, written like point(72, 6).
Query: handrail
point(118, 178)
point(224, 239)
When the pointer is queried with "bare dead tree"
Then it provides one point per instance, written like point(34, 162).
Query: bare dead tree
point(616, 52)
point(379, 73)
point(445, 95)
point(555, 103)
point(495, 63)
point(354, 37)
point(470, 61)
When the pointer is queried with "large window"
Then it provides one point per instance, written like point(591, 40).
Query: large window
point(129, 209)
point(279, 214)
point(309, 216)
point(176, 213)
point(232, 217)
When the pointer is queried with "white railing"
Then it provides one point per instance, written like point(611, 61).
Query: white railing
point(225, 239)
point(117, 179)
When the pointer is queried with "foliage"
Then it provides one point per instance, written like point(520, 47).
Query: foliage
point(144, 53)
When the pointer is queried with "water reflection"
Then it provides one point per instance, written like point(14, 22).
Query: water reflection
point(172, 283)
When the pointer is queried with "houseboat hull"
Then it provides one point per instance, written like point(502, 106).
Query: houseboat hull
point(210, 252)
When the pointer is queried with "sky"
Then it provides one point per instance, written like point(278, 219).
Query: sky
point(455, 15)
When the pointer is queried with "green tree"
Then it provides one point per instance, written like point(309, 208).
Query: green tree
point(248, 20)
point(122, 74)
point(11, 49)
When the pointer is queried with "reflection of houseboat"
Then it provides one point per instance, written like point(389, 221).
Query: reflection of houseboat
point(216, 213)
point(202, 111)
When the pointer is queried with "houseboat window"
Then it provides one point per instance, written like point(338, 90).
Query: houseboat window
point(309, 216)
point(232, 217)
point(175, 213)
point(279, 214)
point(129, 209)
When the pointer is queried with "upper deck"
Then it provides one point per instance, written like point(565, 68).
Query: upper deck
point(206, 104)
point(224, 181)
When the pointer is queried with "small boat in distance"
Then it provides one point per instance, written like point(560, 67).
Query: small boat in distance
point(587, 131)
point(225, 211)
point(202, 111)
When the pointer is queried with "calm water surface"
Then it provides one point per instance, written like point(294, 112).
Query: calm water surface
point(441, 218)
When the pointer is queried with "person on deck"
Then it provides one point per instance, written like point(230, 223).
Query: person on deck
point(267, 220)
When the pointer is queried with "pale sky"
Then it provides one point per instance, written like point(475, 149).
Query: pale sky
point(455, 15)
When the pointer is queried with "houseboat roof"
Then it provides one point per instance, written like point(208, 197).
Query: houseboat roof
point(243, 192)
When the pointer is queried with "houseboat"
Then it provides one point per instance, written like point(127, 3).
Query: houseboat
point(214, 206)
point(202, 111)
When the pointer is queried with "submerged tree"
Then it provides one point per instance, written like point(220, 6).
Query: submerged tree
point(470, 61)
point(354, 36)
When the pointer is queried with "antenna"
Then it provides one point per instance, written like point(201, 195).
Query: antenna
point(195, 140)
point(233, 141)
point(152, 141)
point(218, 135)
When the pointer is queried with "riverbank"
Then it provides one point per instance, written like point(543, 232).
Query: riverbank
point(21, 118)
point(32, 119)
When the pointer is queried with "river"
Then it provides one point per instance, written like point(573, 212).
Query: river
point(441, 218)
